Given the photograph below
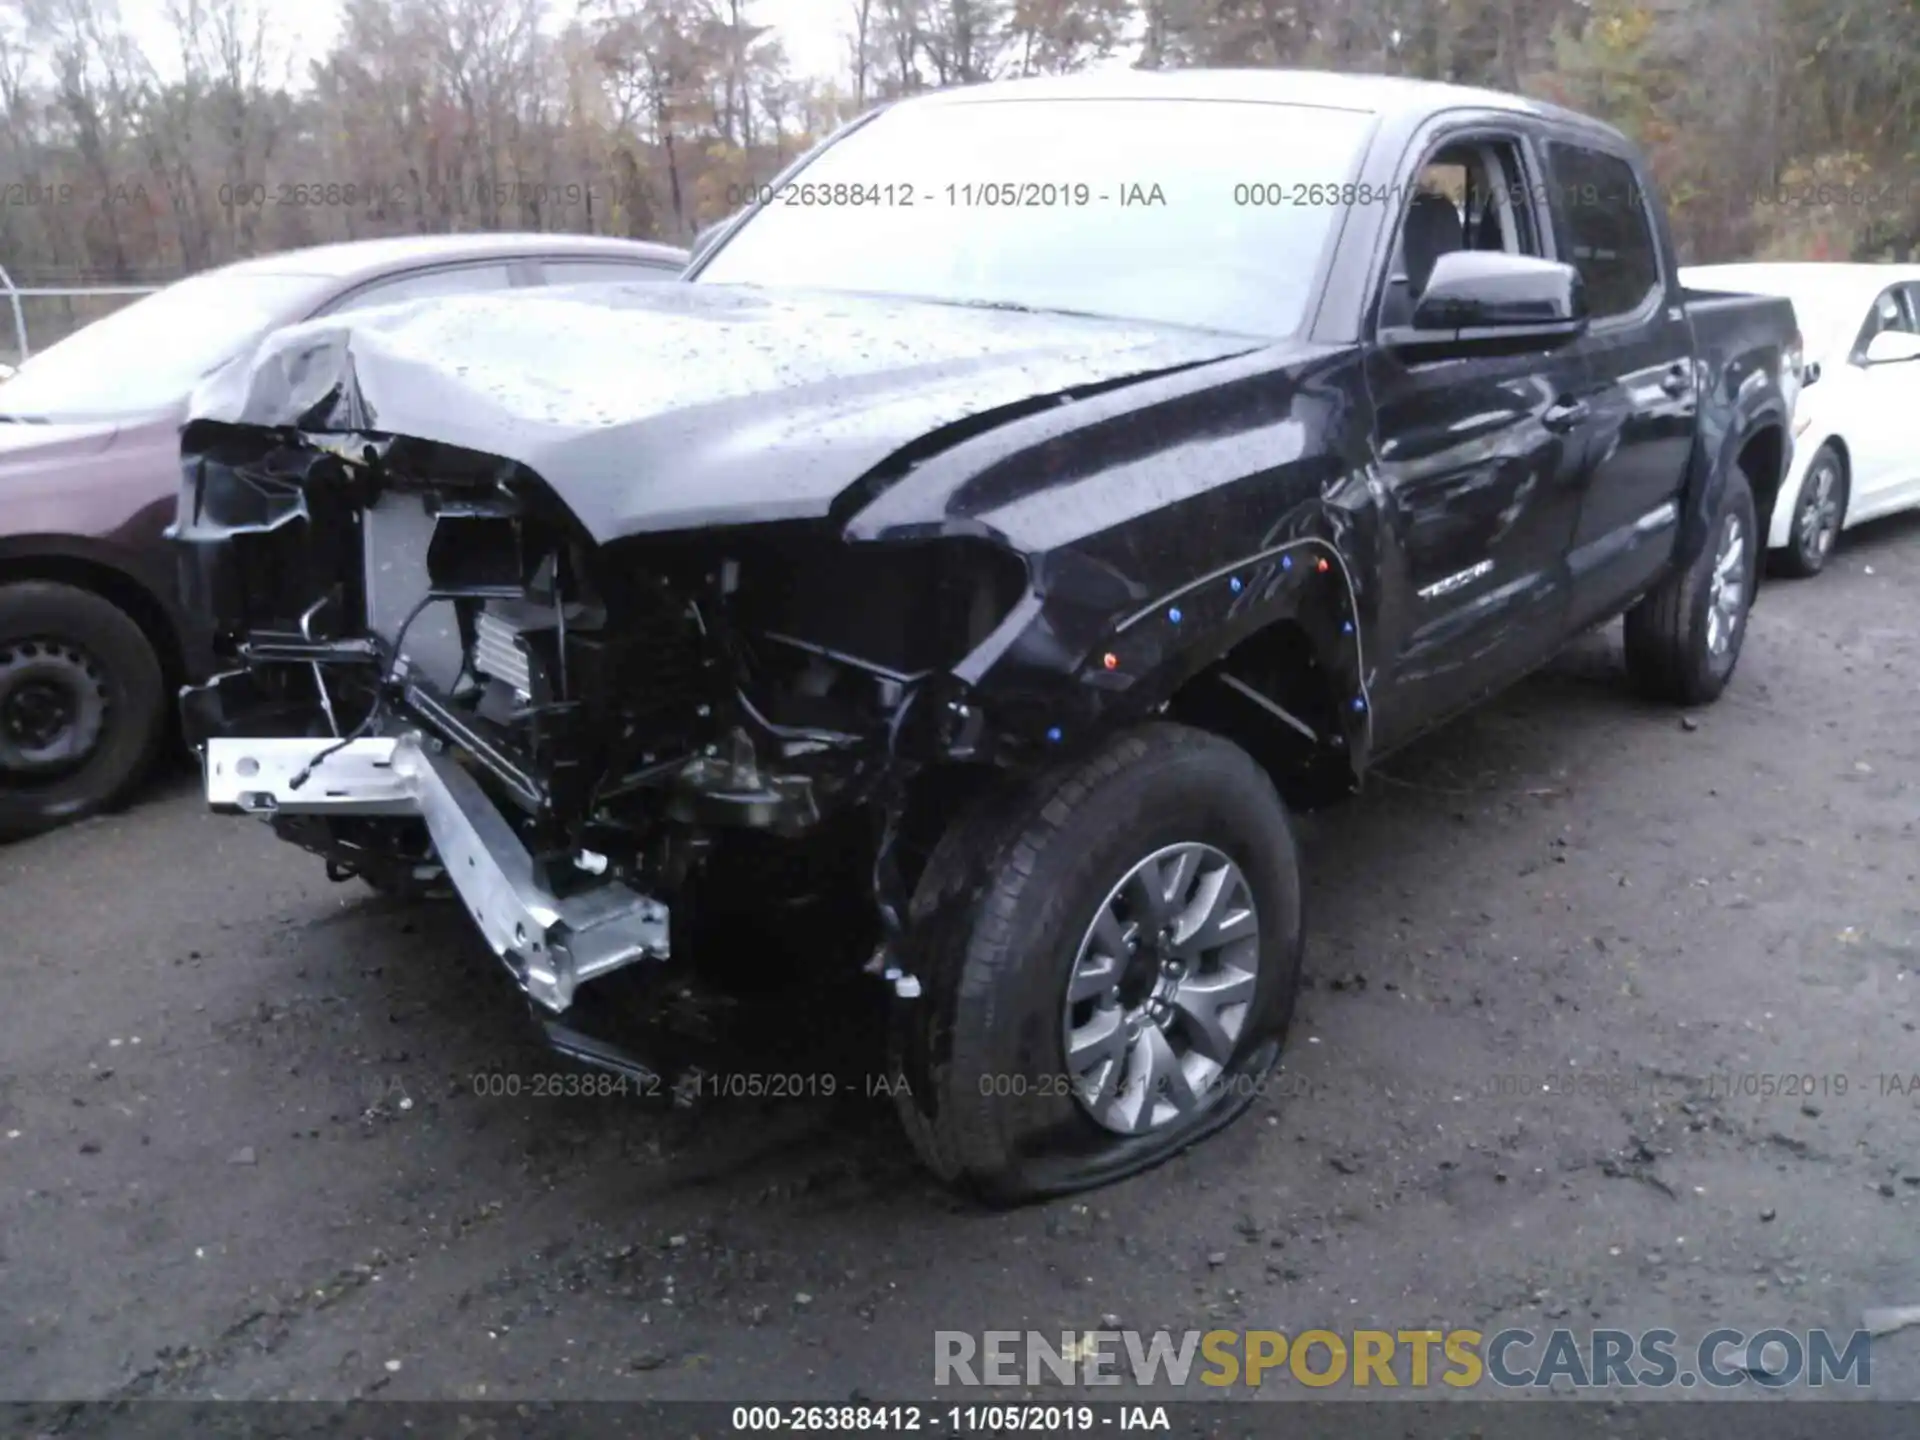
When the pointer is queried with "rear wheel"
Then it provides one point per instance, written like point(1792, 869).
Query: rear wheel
point(1817, 516)
point(1108, 963)
point(82, 705)
point(1684, 639)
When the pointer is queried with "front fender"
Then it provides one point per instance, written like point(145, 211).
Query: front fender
point(136, 578)
point(1162, 526)
point(1053, 681)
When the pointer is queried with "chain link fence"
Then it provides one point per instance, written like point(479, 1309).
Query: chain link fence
point(35, 316)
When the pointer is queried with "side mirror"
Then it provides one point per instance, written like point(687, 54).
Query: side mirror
point(1891, 347)
point(1486, 302)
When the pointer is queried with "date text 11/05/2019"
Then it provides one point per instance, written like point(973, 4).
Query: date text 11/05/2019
point(1804, 1087)
point(696, 1084)
point(990, 1419)
point(1065, 192)
point(686, 1086)
point(958, 195)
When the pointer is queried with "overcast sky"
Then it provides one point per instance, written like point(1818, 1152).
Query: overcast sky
point(814, 32)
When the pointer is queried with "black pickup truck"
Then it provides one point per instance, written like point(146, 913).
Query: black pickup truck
point(1034, 494)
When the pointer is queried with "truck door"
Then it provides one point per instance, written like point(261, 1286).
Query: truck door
point(1480, 459)
point(1644, 398)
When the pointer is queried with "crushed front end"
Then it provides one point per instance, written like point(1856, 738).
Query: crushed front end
point(433, 677)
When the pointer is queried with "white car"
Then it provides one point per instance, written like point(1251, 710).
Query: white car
point(1855, 457)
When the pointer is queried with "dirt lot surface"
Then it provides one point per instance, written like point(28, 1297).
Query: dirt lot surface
point(1571, 960)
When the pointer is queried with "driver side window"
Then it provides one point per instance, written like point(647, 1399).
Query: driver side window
point(1468, 195)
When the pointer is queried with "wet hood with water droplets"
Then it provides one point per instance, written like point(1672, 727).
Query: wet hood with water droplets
point(649, 407)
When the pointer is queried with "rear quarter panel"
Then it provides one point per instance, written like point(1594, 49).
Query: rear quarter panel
point(1740, 345)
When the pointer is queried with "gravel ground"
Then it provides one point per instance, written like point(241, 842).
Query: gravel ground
point(243, 1152)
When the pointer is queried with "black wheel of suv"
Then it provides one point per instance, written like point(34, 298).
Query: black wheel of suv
point(1108, 963)
point(1684, 638)
point(82, 705)
point(1817, 516)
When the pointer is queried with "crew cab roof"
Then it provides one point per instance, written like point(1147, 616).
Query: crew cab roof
point(1385, 95)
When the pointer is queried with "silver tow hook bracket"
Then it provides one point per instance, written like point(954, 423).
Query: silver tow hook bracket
point(552, 944)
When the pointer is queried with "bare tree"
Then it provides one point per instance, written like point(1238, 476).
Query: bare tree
point(902, 40)
point(860, 49)
point(1052, 36)
point(965, 39)
point(656, 52)
point(650, 117)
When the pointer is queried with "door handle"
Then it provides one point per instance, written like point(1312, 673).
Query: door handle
point(1677, 381)
point(1564, 415)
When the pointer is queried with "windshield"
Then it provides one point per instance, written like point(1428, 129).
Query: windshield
point(149, 355)
point(1212, 214)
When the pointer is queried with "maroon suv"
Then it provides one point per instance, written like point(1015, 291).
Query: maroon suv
point(92, 639)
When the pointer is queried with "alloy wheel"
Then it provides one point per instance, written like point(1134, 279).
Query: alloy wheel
point(1161, 988)
point(1726, 594)
point(1820, 516)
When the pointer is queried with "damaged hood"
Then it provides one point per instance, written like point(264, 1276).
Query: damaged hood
point(652, 407)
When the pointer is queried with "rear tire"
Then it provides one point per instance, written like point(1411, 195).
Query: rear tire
point(1819, 512)
point(1008, 914)
point(82, 705)
point(1683, 640)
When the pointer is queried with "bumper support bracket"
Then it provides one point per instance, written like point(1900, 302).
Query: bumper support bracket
point(552, 945)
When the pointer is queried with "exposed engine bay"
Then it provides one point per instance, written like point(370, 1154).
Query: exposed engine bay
point(420, 647)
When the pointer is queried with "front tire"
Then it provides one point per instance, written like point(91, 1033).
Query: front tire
point(82, 705)
point(1047, 1053)
point(1818, 515)
point(1683, 640)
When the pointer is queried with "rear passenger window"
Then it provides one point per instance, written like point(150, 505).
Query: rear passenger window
point(1892, 310)
point(1600, 218)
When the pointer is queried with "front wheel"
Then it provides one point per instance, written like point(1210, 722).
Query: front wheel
point(1817, 516)
point(1109, 962)
point(82, 705)
point(1684, 638)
